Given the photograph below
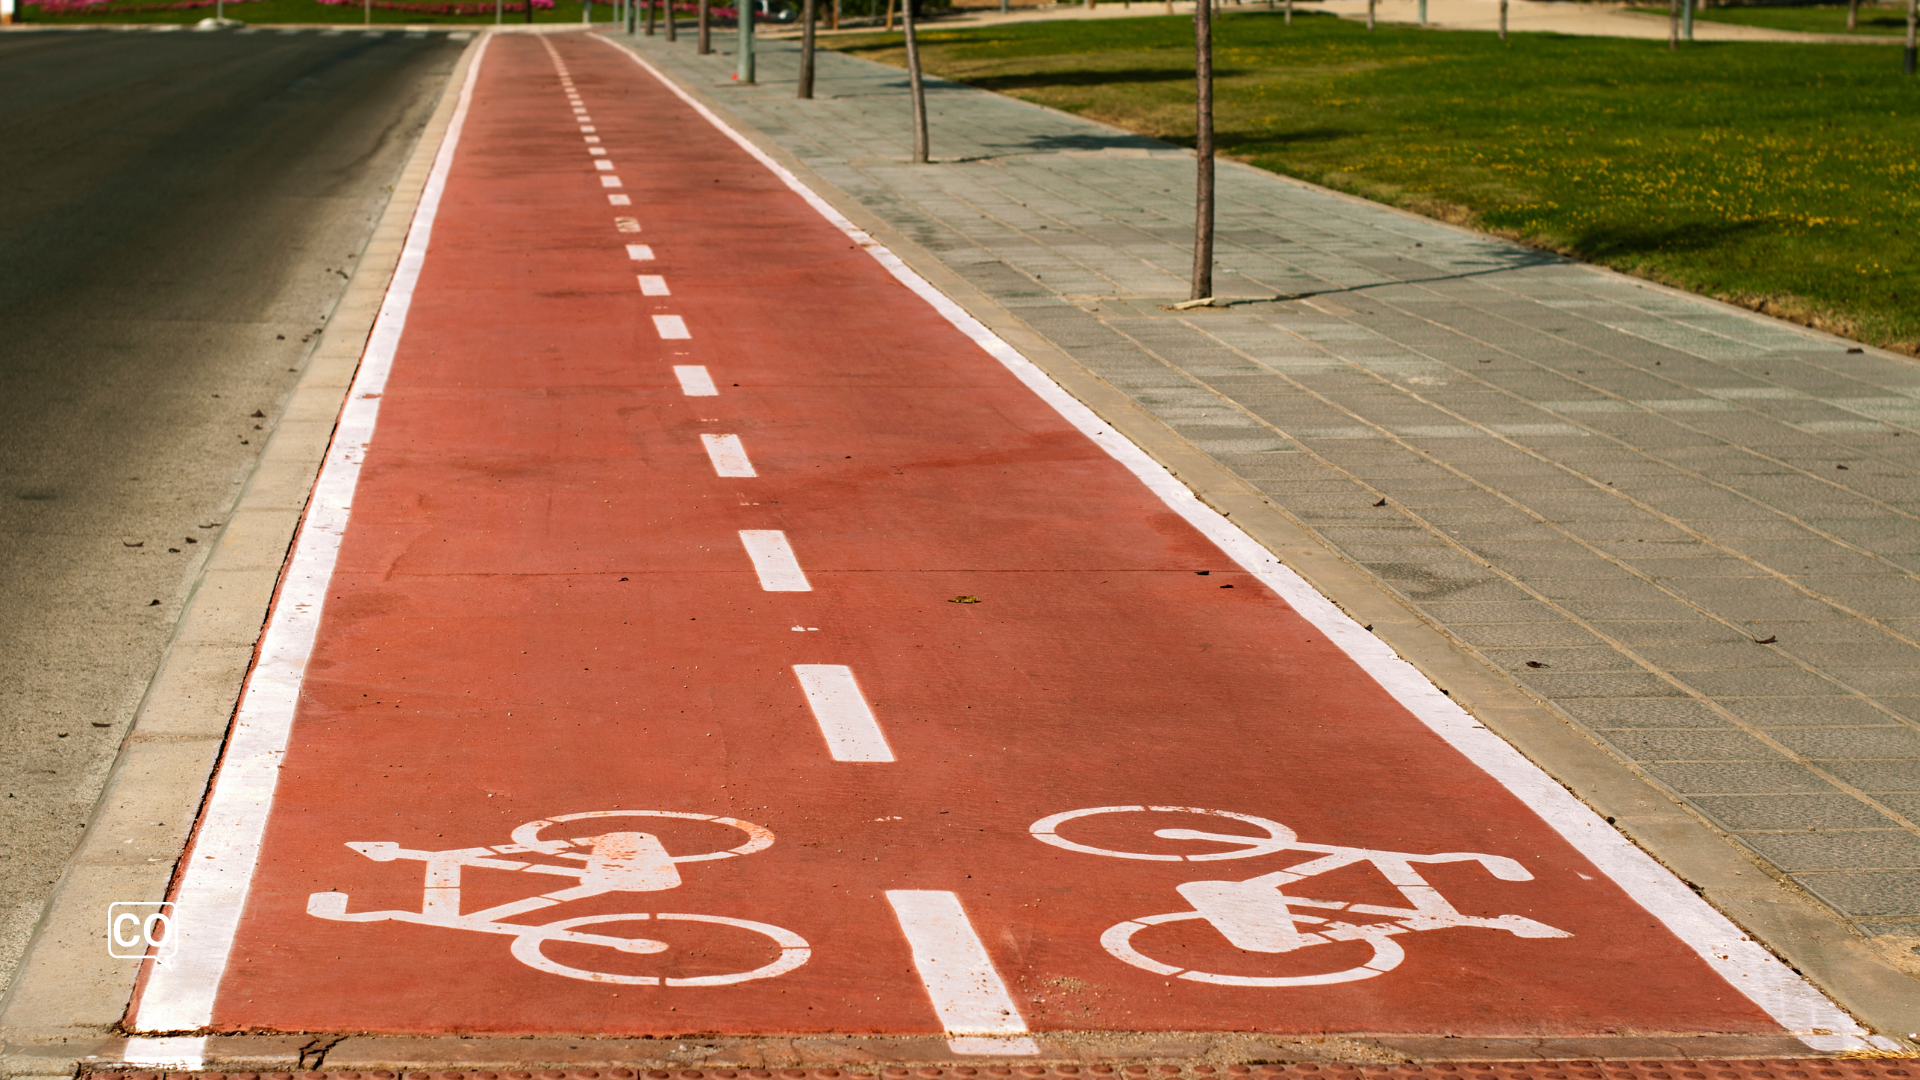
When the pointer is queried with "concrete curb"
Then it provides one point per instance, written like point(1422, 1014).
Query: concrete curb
point(1778, 914)
point(68, 997)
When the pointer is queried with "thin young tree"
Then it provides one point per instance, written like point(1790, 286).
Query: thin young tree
point(670, 21)
point(807, 11)
point(1913, 34)
point(1202, 152)
point(1673, 25)
point(915, 84)
point(703, 38)
point(1853, 14)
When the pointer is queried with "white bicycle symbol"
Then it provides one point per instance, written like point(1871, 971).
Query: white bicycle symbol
point(612, 862)
point(1256, 916)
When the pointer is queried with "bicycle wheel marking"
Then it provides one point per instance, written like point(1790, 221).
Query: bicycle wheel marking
point(616, 862)
point(1255, 915)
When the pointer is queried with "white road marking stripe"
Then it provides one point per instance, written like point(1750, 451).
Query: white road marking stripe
point(619, 200)
point(168, 1051)
point(627, 224)
point(587, 128)
point(967, 993)
point(640, 252)
point(610, 181)
point(1792, 1001)
point(653, 285)
point(219, 867)
point(671, 327)
point(596, 151)
point(694, 381)
point(603, 165)
point(730, 459)
point(773, 560)
point(842, 712)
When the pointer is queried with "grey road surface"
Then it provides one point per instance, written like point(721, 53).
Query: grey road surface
point(178, 216)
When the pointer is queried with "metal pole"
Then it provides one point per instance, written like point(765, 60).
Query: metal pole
point(1003, 6)
point(499, 13)
point(916, 85)
point(1913, 20)
point(743, 18)
point(1686, 19)
point(808, 10)
point(367, 6)
point(703, 35)
point(1202, 152)
point(1423, 12)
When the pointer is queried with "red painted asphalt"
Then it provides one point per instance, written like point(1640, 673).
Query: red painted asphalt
point(543, 607)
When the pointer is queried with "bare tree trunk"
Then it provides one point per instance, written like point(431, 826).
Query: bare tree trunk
point(1371, 4)
point(650, 4)
point(1673, 25)
point(889, 26)
point(1202, 151)
point(671, 24)
point(703, 36)
point(1853, 14)
point(807, 12)
point(916, 85)
point(1503, 20)
point(833, 17)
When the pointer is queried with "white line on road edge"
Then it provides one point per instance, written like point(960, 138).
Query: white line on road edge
point(640, 252)
point(1793, 1002)
point(694, 380)
point(167, 1052)
point(968, 995)
point(773, 560)
point(842, 713)
point(671, 327)
point(219, 867)
point(653, 285)
point(729, 458)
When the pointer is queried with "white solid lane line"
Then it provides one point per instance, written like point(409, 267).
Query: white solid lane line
point(694, 381)
point(773, 560)
point(640, 252)
point(653, 285)
point(729, 458)
point(842, 712)
point(671, 327)
point(968, 995)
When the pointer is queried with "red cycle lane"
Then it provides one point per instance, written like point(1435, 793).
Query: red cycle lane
point(810, 673)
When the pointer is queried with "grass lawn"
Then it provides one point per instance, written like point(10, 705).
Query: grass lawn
point(1782, 176)
point(305, 11)
point(1824, 19)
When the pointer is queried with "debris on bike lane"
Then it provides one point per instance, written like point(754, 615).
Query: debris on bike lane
point(711, 632)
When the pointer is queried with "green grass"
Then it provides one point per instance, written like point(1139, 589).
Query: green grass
point(270, 12)
point(1824, 19)
point(1782, 176)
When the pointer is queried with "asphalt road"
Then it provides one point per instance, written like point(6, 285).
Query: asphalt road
point(179, 213)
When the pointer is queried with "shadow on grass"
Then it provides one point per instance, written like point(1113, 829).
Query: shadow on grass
point(1623, 241)
point(1041, 80)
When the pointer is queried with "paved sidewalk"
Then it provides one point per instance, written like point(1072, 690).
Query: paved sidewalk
point(1688, 529)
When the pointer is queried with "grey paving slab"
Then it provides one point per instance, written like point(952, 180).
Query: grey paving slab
point(1626, 486)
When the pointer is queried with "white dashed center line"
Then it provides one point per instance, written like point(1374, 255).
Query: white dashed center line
point(671, 327)
point(842, 712)
point(773, 560)
point(603, 166)
point(694, 381)
point(627, 224)
point(653, 285)
point(640, 252)
point(729, 458)
point(611, 181)
point(967, 993)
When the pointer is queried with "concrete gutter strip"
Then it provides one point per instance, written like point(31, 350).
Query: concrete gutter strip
point(1777, 914)
point(69, 996)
